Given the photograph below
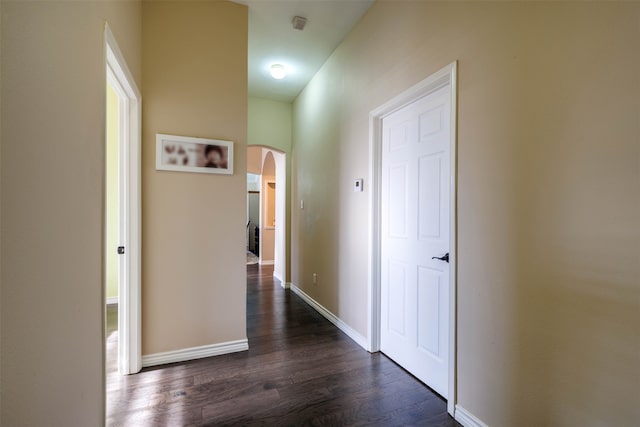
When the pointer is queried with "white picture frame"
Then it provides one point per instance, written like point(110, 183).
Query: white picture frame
point(189, 154)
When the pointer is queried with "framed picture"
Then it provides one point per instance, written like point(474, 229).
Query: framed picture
point(187, 154)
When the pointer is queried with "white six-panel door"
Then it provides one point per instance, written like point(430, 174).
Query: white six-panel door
point(414, 229)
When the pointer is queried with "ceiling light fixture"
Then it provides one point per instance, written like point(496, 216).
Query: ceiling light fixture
point(278, 71)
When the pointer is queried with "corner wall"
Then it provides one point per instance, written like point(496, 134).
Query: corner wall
point(548, 196)
point(52, 206)
point(193, 229)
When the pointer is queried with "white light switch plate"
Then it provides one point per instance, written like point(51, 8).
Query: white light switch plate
point(358, 185)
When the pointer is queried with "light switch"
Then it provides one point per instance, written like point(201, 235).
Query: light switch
point(357, 185)
point(301, 203)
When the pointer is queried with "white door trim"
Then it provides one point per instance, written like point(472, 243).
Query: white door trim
point(129, 334)
point(447, 75)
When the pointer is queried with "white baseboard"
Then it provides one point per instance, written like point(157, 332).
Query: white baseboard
point(266, 262)
point(111, 300)
point(351, 333)
point(467, 419)
point(285, 285)
point(277, 276)
point(194, 353)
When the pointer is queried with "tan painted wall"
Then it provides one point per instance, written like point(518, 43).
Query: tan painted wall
point(267, 239)
point(549, 195)
point(193, 265)
point(270, 124)
point(254, 160)
point(53, 132)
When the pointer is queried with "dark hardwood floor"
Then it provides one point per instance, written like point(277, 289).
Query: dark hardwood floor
point(300, 370)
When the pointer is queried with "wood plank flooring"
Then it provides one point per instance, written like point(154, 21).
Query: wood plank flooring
point(300, 370)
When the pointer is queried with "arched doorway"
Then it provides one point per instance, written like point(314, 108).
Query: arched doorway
point(266, 169)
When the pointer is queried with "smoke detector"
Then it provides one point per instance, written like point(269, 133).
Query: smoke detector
point(299, 22)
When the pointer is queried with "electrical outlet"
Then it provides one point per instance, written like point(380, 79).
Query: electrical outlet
point(315, 278)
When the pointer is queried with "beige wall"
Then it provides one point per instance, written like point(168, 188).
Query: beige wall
point(548, 197)
point(270, 124)
point(267, 237)
point(254, 160)
point(193, 260)
point(52, 206)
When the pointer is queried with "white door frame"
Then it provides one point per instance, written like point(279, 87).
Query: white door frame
point(447, 75)
point(129, 312)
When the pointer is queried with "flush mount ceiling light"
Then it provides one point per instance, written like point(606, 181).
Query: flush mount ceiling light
point(278, 71)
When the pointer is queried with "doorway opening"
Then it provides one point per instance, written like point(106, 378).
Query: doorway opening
point(253, 218)
point(266, 208)
point(112, 238)
point(413, 146)
point(122, 209)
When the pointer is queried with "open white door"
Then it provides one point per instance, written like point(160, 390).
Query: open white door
point(129, 313)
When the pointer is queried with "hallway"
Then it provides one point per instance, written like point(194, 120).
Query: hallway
point(299, 370)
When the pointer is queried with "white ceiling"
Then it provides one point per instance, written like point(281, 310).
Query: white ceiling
point(272, 39)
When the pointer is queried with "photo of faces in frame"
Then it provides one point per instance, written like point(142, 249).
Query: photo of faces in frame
point(188, 154)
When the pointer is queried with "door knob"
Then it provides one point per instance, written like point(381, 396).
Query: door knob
point(120, 250)
point(443, 258)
